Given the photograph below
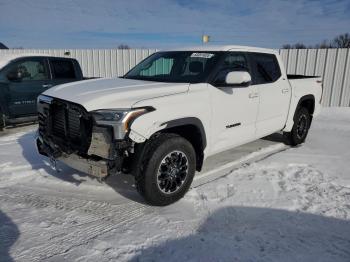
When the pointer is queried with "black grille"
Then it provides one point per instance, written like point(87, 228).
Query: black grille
point(42, 118)
point(67, 125)
point(58, 122)
point(66, 122)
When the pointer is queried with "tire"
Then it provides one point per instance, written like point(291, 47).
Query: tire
point(302, 122)
point(166, 170)
point(2, 121)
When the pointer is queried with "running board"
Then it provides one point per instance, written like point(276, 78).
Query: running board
point(214, 174)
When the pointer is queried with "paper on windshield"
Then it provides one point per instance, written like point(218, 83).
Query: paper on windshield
point(202, 55)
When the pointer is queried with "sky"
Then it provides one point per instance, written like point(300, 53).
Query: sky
point(169, 23)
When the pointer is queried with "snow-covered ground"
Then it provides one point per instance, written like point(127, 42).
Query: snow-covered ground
point(291, 206)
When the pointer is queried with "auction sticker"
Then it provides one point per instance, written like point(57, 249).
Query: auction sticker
point(202, 55)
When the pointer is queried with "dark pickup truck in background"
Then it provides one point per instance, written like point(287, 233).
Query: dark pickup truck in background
point(24, 77)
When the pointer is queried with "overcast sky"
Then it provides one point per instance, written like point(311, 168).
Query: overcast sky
point(168, 23)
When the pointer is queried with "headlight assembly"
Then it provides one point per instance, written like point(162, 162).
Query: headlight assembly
point(119, 119)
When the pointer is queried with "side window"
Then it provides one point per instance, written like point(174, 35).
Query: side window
point(234, 61)
point(266, 68)
point(30, 70)
point(62, 69)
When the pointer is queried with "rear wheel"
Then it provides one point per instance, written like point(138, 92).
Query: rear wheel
point(302, 122)
point(167, 169)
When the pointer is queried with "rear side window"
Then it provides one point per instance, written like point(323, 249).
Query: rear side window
point(63, 69)
point(266, 68)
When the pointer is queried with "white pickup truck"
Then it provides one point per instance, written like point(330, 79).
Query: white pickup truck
point(171, 111)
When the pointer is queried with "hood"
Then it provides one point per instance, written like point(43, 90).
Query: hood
point(113, 92)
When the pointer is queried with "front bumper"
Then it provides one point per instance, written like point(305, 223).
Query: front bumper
point(96, 168)
point(68, 133)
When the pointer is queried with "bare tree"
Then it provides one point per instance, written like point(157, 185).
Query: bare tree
point(123, 46)
point(324, 44)
point(299, 46)
point(287, 46)
point(294, 46)
point(342, 41)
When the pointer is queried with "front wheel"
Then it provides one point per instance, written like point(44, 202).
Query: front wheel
point(302, 122)
point(2, 120)
point(167, 169)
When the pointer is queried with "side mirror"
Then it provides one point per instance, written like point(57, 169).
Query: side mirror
point(238, 78)
point(16, 75)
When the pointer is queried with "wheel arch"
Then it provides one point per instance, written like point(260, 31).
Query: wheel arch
point(307, 101)
point(192, 129)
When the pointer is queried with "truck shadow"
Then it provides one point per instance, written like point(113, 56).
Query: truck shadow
point(258, 234)
point(122, 184)
point(276, 137)
point(9, 233)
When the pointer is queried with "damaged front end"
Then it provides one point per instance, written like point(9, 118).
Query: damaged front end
point(87, 141)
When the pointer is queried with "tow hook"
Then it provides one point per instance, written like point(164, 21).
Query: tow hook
point(53, 163)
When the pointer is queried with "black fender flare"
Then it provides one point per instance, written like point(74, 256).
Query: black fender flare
point(194, 121)
point(301, 100)
point(198, 125)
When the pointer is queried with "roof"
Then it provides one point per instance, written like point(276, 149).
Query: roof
point(212, 48)
point(2, 46)
point(5, 59)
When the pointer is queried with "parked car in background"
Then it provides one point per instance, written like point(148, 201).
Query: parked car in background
point(171, 111)
point(24, 77)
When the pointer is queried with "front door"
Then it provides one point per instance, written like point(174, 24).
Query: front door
point(234, 109)
point(23, 92)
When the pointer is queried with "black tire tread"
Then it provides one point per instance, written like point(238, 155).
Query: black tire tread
point(140, 179)
point(290, 137)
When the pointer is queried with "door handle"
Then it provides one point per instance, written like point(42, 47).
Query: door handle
point(286, 90)
point(47, 85)
point(253, 95)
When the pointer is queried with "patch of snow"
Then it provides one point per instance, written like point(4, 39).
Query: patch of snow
point(291, 206)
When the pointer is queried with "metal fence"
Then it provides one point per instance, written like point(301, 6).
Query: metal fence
point(332, 64)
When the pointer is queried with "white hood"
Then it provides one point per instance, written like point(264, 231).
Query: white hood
point(111, 93)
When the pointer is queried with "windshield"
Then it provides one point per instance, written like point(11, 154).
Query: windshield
point(176, 66)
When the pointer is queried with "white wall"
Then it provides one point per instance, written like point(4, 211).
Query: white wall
point(332, 64)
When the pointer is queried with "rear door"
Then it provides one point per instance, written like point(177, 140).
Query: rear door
point(274, 93)
point(234, 109)
point(23, 93)
point(63, 71)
